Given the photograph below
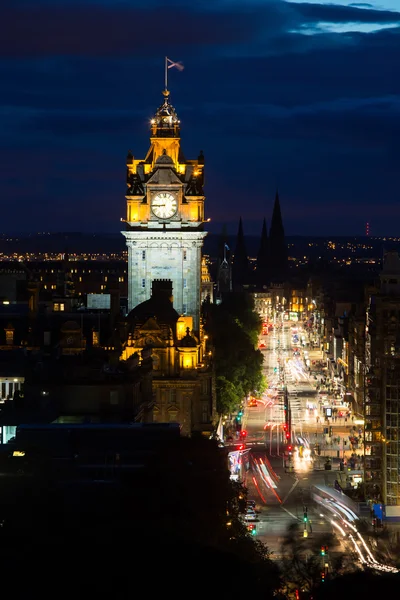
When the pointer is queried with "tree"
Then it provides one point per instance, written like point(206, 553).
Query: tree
point(302, 564)
point(233, 328)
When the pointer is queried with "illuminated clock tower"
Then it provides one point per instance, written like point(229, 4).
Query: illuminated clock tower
point(165, 217)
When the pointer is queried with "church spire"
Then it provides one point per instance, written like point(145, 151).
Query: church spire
point(276, 221)
point(277, 244)
point(224, 267)
point(240, 269)
point(263, 257)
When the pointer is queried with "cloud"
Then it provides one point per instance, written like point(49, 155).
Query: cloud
point(315, 114)
point(334, 13)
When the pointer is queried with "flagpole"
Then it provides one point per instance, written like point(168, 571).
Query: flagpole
point(166, 72)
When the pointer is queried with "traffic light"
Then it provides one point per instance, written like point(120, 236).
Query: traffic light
point(287, 435)
point(323, 577)
point(285, 426)
point(305, 517)
point(240, 413)
point(322, 550)
point(289, 448)
point(252, 528)
point(243, 433)
point(275, 369)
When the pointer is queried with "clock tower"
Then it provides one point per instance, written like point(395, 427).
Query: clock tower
point(165, 218)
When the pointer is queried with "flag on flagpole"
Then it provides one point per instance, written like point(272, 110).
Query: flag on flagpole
point(169, 64)
point(172, 64)
point(227, 247)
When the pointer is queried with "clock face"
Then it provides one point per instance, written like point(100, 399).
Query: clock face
point(164, 205)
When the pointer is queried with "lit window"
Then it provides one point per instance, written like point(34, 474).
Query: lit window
point(106, 278)
point(9, 337)
point(95, 338)
point(62, 306)
point(56, 307)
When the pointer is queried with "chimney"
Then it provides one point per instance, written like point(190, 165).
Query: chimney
point(162, 287)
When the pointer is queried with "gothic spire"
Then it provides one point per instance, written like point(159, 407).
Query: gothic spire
point(277, 244)
point(240, 270)
point(276, 221)
point(263, 257)
point(224, 268)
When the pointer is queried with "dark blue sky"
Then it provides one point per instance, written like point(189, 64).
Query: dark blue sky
point(300, 96)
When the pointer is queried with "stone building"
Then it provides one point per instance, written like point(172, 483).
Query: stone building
point(165, 217)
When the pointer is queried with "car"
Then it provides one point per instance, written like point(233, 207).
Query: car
point(251, 503)
point(250, 516)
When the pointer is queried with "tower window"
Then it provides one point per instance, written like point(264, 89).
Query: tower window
point(184, 309)
point(143, 283)
point(184, 255)
point(185, 283)
point(9, 337)
point(95, 338)
point(143, 254)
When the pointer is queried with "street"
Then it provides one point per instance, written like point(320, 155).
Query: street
point(282, 471)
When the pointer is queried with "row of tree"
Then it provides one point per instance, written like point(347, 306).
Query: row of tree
point(233, 327)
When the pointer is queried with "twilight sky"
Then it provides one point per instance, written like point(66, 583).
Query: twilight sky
point(300, 96)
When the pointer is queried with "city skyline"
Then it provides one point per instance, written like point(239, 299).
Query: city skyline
point(293, 96)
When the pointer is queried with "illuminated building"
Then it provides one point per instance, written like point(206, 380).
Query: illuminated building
point(382, 389)
point(168, 277)
point(165, 217)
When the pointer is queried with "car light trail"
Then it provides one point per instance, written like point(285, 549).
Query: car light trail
point(362, 559)
point(342, 531)
point(258, 490)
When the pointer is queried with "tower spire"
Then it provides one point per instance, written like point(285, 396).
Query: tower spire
point(277, 243)
point(240, 270)
point(263, 257)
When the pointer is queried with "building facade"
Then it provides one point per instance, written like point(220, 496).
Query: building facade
point(382, 387)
